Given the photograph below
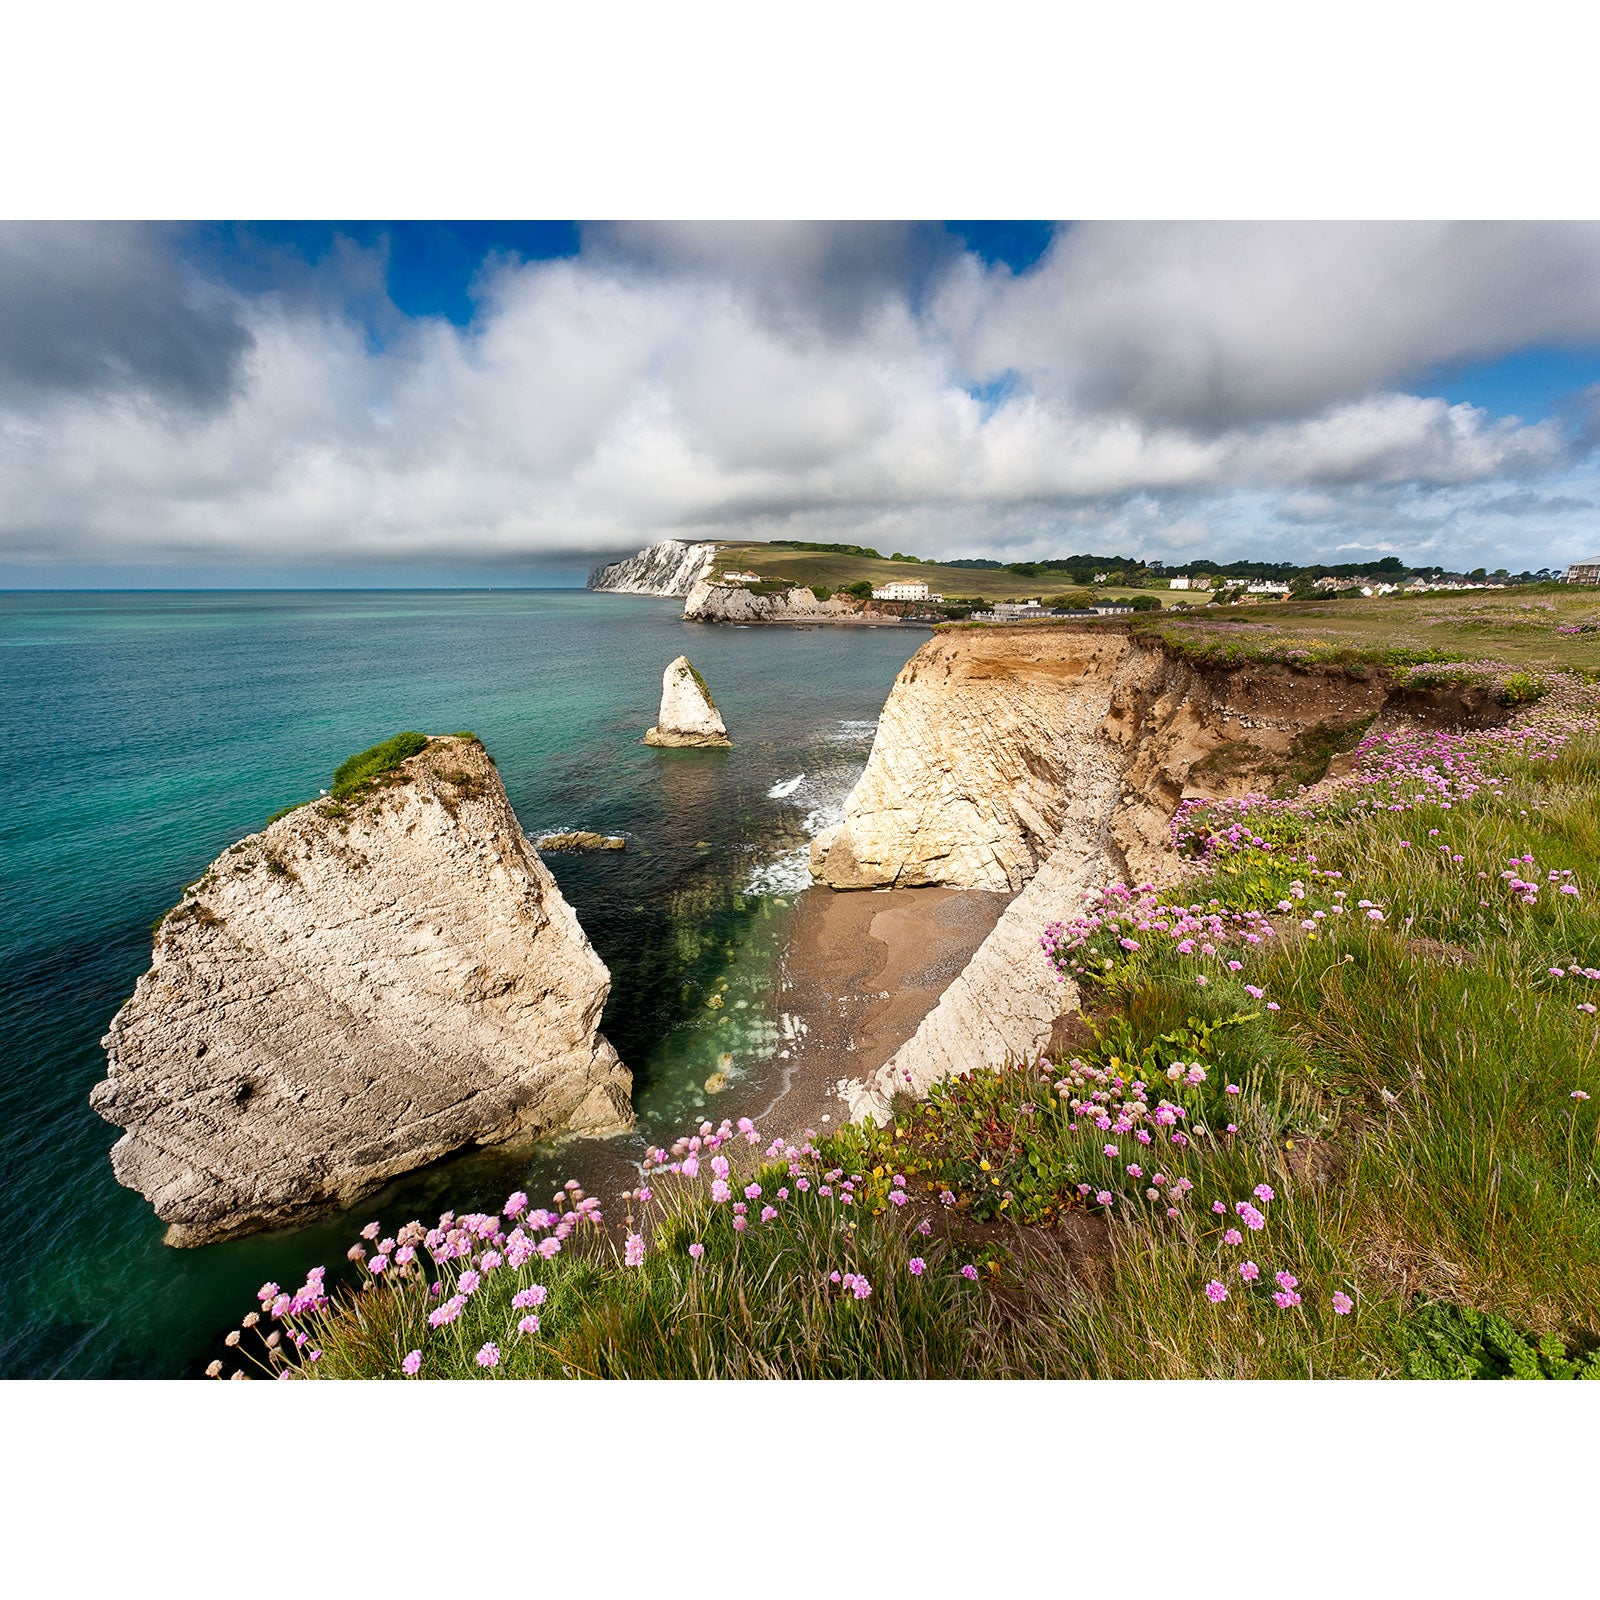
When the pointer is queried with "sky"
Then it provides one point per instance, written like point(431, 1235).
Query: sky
point(507, 403)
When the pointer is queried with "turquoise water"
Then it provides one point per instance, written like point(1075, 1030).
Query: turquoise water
point(146, 732)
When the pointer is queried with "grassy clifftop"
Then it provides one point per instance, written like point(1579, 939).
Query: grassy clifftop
point(1549, 628)
point(834, 571)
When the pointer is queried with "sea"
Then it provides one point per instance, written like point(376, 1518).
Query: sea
point(145, 732)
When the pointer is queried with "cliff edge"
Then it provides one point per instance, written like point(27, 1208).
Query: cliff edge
point(1050, 761)
point(360, 988)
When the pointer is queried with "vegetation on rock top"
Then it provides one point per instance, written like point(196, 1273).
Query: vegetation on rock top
point(355, 774)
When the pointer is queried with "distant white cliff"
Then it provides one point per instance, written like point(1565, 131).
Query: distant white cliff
point(669, 568)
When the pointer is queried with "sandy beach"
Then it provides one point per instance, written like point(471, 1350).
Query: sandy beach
point(860, 971)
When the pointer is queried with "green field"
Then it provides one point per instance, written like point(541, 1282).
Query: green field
point(819, 567)
point(1509, 629)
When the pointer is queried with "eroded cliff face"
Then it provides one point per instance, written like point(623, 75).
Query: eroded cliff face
point(1050, 761)
point(355, 991)
point(719, 602)
point(668, 568)
point(731, 602)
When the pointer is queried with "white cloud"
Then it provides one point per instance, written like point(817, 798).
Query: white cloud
point(1181, 386)
point(1215, 324)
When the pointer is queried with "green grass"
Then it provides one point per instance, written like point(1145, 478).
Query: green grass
point(821, 569)
point(355, 774)
point(1409, 1102)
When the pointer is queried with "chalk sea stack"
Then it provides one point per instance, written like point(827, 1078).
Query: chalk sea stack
point(689, 717)
point(372, 981)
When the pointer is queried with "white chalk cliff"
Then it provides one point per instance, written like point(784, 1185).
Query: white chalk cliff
point(688, 716)
point(356, 990)
point(1049, 761)
point(730, 602)
point(669, 568)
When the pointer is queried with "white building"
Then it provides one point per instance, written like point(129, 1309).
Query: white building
point(1583, 572)
point(741, 577)
point(1177, 583)
point(1267, 587)
point(901, 591)
point(1017, 611)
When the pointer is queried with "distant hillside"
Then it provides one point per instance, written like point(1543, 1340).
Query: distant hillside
point(839, 567)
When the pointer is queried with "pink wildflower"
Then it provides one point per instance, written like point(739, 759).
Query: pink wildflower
point(1286, 1280)
point(1216, 1293)
point(1263, 1192)
point(917, 1266)
point(1249, 1271)
point(411, 1363)
point(1342, 1303)
point(969, 1272)
point(489, 1356)
point(633, 1251)
point(696, 1250)
point(1233, 1236)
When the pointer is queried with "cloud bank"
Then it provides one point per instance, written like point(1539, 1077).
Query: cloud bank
point(1242, 389)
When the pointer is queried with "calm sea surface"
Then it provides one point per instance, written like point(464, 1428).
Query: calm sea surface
point(144, 733)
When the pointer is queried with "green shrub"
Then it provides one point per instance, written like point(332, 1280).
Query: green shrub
point(861, 589)
point(1521, 688)
point(1447, 1341)
point(822, 591)
point(352, 775)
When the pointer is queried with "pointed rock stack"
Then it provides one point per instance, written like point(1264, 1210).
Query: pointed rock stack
point(689, 716)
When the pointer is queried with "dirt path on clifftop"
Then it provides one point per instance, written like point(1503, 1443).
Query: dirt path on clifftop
point(861, 969)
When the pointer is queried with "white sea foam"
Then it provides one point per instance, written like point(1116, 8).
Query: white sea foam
point(789, 874)
point(820, 798)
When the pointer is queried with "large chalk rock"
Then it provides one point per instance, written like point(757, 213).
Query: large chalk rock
point(355, 991)
point(689, 716)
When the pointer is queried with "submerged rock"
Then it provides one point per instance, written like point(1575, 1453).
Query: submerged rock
point(362, 987)
point(689, 716)
point(581, 842)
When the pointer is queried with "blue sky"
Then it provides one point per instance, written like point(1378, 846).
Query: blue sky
point(511, 402)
